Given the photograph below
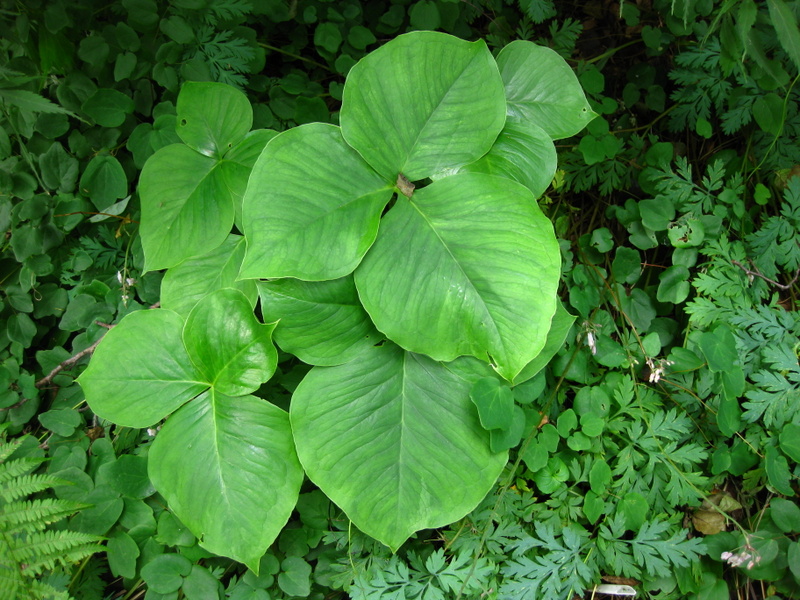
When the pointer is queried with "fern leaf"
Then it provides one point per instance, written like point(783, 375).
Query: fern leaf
point(34, 515)
point(44, 550)
point(538, 10)
point(8, 448)
point(45, 591)
point(554, 572)
point(18, 467)
point(11, 579)
point(26, 485)
point(658, 555)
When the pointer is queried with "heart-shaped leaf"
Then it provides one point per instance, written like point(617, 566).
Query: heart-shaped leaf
point(494, 401)
point(523, 152)
point(187, 208)
point(212, 117)
point(228, 345)
point(228, 469)
point(556, 335)
point(312, 207)
point(468, 265)
point(320, 322)
point(394, 440)
point(424, 103)
point(185, 284)
point(542, 88)
point(141, 372)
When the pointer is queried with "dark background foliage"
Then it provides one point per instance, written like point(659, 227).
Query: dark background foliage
point(661, 447)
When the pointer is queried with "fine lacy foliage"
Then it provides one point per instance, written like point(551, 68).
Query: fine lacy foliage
point(766, 333)
point(703, 85)
point(27, 548)
point(432, 578)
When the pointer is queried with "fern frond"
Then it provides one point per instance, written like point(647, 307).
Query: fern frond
point(565, 35)
point(18, 467)
point(39, 589)
point(44, 550)
point(11, 579)
point(538, 11)
point(29, 484)
point(8, 448)
point(34, 515)
point(224, 10)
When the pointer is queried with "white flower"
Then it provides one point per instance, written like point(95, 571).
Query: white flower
point(747, 555)
point(591, 342)
point(657, 368)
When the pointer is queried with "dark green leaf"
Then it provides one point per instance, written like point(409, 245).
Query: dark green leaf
point(62, 421)
point(108, 107)
point(785, 514)
point(719, 348)
point(165, 573)
point(128, 476)
point(59, 169)
point(784, 19)
point(104, 181)
point(122, 553)
point(778, 473)
point(495, 403)
point(295, 577)
point(790, 441)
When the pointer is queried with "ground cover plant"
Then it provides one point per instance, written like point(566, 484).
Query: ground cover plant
point(633, 424)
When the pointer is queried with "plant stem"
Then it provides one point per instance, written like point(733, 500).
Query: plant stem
point(297, 56)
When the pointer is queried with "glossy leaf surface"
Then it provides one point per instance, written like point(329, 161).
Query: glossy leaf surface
point(228, 345)
point(542, 88)
point(212, 117)
point(141, 372)
point(187, 208)
point(394, 440)
point(468, 265)
point(312, 207)
point(320, 322)
point(228, 469)
point(523, 152)
point(423, 103)
point(185, 284)
point(556, 336)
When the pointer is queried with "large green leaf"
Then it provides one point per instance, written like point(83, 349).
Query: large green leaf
point(212, 117)
point(185, 284)
point(228, 345)
point(141, 372)
point(523, 152)
point(320, 322)
point(542, 88)
point(394, 440)
point(187, 207)
point(312, 207)
point(228, 469)
point(245, 154)
point(424, 103)
point(468, 265)
point(556, 336)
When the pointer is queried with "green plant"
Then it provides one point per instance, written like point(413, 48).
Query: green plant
point(464, 263)
point(35, 558)
point(676, 219)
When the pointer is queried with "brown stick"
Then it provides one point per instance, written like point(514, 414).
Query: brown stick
point(758, 274)
point(71, 361)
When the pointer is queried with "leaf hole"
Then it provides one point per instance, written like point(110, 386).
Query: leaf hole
point(421, 183)
point(183, 122)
